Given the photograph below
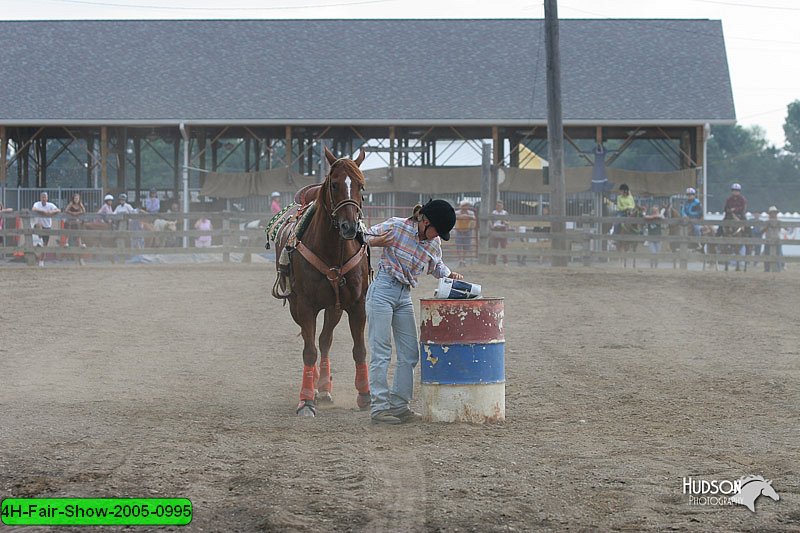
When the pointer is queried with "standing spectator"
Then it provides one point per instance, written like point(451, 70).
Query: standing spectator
point(124, 208)
point(654, 228)
point(465, 231)
point(74, 210)
point(45, 210)
point(275, 207)
point(692, 208)
point(411, 246)
point(773, 246)
point(106, 209)
point(203, 224)
point(498, 224)
point(152, 204)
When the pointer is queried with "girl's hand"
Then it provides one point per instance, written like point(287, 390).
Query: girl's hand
point(455, 275)
point(384, 239)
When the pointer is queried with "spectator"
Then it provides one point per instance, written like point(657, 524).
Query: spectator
point(275, 207)
point(465, 231)
point(38, 243)
point(625, 201)
point(411, 246)
point(45, 210)
point(772, 234)
point(74, 210)
point(498, 224)
point(203, 224)
point(152, 204)
point(692, 208)
point(654, 228)
point(124, 208)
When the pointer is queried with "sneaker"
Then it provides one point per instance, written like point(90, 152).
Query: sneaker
point(408, 416)
point(383, 417)
point(41, 263)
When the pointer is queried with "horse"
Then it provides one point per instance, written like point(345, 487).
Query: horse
point(751, 487)
point(326, 268)
point(731, 232)
point(629, 228)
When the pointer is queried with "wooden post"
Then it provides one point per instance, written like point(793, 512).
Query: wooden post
point(486, 208)
point(176, 167)
point(288, 149)
point(555, 130)
point(226, 241)
point(684, 245)
point(122, 156)
point(89, 159)
point(104, 157)
point(137, 161)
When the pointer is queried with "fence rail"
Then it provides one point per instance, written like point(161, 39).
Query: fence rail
point(586, 240)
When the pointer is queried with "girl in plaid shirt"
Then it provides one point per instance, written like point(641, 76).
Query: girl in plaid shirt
point(411, 247)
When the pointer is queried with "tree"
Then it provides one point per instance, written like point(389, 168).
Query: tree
point(791, 129)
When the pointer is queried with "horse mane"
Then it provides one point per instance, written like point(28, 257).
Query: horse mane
point(748, 479)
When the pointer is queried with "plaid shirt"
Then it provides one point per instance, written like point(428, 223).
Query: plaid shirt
point(407, 257)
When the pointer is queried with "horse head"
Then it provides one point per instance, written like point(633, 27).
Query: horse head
point(341, 193)
point(751, 488)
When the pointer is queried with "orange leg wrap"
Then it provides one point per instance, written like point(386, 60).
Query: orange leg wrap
point(307, 390)
point(362, 378)
point(316, 377)
point(325, 384)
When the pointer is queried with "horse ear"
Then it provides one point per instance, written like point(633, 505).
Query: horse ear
point(360, 159)
point(329, 156)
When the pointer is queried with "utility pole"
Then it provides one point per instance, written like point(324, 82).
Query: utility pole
point(555, 130)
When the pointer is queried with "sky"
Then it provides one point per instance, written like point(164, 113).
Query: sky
point(762, 36)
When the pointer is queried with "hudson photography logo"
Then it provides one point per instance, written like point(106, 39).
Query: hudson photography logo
point(720, 492)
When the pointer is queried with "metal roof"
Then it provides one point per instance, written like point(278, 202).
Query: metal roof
point(379, 72)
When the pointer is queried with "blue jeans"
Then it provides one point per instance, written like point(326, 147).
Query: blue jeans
point(390, 312)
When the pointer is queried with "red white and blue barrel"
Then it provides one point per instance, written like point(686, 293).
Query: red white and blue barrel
point(462, 347)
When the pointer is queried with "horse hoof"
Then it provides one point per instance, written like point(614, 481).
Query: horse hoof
point(306, 409)
point(324, 397)
point(364, 401)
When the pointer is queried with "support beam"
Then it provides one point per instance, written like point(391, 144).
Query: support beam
point(104, 157)
point(555, 129)
point(3, 156)
point(137, 162)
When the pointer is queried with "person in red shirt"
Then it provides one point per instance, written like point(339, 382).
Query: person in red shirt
point(736, 204)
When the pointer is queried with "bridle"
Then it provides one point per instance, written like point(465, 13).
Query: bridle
point(349, 201)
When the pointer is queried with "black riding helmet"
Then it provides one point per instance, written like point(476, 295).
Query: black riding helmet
point(442, 216)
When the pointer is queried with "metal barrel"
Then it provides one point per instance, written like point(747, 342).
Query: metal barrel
point(462, 346)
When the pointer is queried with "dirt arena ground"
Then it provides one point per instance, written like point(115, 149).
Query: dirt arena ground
point(181, 381)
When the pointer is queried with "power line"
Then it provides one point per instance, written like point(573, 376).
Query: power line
point(720, 2)
point(180, 8)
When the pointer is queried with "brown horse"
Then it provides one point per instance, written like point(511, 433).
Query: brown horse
point(629, 228)
point(327, 268)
